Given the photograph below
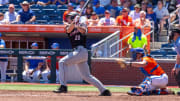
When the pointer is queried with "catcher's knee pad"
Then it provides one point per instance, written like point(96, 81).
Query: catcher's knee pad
point(177, 77)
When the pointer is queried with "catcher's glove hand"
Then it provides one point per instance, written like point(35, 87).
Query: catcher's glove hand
point(122, 63)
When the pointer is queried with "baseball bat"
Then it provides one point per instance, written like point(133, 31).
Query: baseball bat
point(85, 5)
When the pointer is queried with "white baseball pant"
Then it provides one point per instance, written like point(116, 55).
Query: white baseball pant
point(155, 82)
point(78, 57)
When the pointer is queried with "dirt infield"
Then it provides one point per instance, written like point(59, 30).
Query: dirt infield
point(7, 95)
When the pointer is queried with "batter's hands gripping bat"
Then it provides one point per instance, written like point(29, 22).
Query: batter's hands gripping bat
point(78, 17)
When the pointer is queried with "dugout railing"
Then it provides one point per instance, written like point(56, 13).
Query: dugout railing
point(21, 53)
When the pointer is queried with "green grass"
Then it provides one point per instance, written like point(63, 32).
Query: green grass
point(53, 87)
point(70, 88)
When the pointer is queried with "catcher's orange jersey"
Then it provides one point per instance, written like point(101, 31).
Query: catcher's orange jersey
point(152, 67)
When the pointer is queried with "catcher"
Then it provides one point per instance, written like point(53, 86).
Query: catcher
point(156, 79)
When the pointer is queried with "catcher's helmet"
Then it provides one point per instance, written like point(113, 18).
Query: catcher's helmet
point(73, 15)
point(139, 50)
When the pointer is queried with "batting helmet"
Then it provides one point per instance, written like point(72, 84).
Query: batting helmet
point(73, 15)
point(34, 44)
point(55, 45)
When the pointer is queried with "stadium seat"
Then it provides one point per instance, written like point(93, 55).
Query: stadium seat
point(167, 45)
point(35, 7)
point(158, 53)
point(50, 23)
point(41, 22)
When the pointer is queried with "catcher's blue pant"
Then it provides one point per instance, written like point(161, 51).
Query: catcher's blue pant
point(78, 57)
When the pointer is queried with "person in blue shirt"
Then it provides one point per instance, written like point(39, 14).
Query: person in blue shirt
point(3, 62)
point(25, 15)
point(151, 15)
point(33, 67)
point(98, 9)
point(114, 9)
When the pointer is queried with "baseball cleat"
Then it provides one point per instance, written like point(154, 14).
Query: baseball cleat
point(61, 89)
point(105, 93)
point(130, 93)
point(135, 92)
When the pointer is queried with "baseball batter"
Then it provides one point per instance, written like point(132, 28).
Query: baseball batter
point(156, 79)
point(175, 37)
point(77, 34)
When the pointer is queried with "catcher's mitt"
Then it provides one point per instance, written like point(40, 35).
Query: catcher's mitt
point(122, 63)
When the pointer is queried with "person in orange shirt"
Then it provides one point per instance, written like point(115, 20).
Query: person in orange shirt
point(142, 21)
point(156, 79)
point(70, 9)
point(124, 19)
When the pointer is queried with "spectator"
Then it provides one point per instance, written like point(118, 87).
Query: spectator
point(3, 62)
point(46, 73)
point(107, 20)
point(70, 9)
point(177, 12)
point(139, 1)
point(154, 2)
point(74, 2)
point(2, 20)
point(4, 2)
point(98, 9)
point(32, 67)
point(144, 5)
point(178, 1)
point(59, 3)
point(135, 14)
point(81, 4)
point(42, 2)
point(128, 4)
point(136, 40)
point(89, 11)
point(25, 15)
point(124, 19)
point(105, 3)
point(114, 9)
point(93, 21)
point(151, 16)
point(162, 15)
point(171, 5)
point(121, 2)
point(11, 15)
point(142, 21)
